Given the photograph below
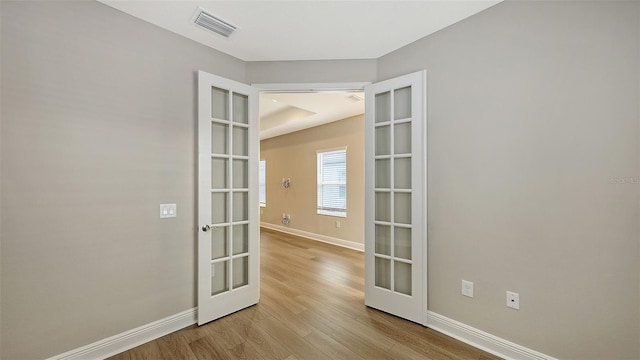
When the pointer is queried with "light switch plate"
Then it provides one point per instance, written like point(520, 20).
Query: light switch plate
point(467, 288)
point(168, 211)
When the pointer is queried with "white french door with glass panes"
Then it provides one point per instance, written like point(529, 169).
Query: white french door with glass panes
point(228, 234)
point(395, 185)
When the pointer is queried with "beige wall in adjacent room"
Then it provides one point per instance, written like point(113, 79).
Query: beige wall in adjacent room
point(98, 129)
point(294, 156)
point(533, 152)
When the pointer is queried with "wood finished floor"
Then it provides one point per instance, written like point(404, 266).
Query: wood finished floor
point(311, 307)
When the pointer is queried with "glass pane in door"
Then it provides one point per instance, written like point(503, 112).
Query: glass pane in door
point(383, 140)
point(219, 173)
point(240, 174)
point(219, 138)
point(402, 208)
point(240, 108)
point(402, 173)
point(219, 103)
point(383, 273)
point(383, 203)
point(240, 271)
point(240, 141)
point(402, 277)
point(240, 206)
point(402, 242)
point(383, 174)
point(383, 239)
point(402, 138)
point(240, 239)
point(219, 242)
point(219, 208)
point(383, 107)
point(402, 103)
point(219, 277)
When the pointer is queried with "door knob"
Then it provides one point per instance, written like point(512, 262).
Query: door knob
point(206, 228)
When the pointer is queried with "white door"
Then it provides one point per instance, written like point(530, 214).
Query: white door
point(228, 237)
point(395, 185)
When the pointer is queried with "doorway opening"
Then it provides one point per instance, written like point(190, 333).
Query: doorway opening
point(296, 129)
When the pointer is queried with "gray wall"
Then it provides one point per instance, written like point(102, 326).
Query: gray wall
point(98, 129)
point(533, 130)
point(264, 72)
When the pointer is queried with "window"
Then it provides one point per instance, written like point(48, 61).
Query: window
point(332, 183)
point(262, 183)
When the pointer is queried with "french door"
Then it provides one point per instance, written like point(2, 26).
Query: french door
point(395, 185)
point(228, 234)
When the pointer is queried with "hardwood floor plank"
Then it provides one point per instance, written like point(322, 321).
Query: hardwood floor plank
point(334, 307)
point(245, 351)
point(194, 332)
point(296, 344)
point(400, 351)
point(268, 346)
point(207, 349)
point(285, 302)
point(289, 318)
point(330, 346)
point(148, 351)
point(175, 347)
point(222, 331)
point(362, 345)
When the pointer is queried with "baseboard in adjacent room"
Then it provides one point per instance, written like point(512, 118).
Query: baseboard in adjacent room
point(308, 235)
point(482, 340)
point(129, 339)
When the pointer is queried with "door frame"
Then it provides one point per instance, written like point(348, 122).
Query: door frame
point(300, 87)
point(360, 86)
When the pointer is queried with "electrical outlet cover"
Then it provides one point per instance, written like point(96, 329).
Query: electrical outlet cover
point(513, 300)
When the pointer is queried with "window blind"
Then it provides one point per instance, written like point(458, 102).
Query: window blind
point(332, 182)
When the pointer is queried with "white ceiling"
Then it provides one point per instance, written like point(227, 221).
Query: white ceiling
point(307, 29)
point(282, 113)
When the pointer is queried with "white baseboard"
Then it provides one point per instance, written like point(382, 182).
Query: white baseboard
point(482, 340)
point(129, 339)
point(132, 338)
point(327, 239)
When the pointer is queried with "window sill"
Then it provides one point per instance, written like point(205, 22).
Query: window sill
point(332, 213)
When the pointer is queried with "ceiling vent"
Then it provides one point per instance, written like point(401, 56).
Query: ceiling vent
point(213, 23)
